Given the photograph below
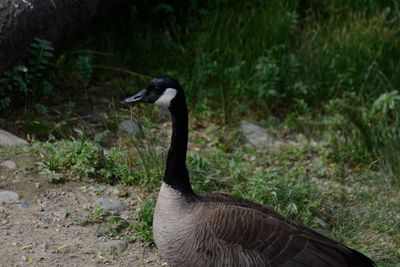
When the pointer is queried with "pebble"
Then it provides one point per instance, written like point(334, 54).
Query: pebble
point(23, 205)
point(37, 185)
point(9, 164)
point(60, 214)
point(110, 204)
point(116, 245)
point(256, 135)
point(7, 197)
point(129, 126)
point(2, 210)
point(83, 189)
point(44, 246)
point(86, 206)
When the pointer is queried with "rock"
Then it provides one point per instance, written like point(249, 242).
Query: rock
point(23, 205)
point(129, 126)
point(9, 164)
point(114, 246)
point(110, 204)
point(44, 246)
point(7, 197)
point(256, 135)
point(8, 139)
point(60, 214)
point(86, 206)
point(114, 191)
point(2, 210)
point(37, 185)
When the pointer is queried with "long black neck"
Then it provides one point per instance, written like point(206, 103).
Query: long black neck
point(176, 174)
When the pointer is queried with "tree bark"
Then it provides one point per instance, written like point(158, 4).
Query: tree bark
point(57, 21)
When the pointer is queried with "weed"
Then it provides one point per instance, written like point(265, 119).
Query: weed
point(144, 228)
point(29, 82)
point(82, 159)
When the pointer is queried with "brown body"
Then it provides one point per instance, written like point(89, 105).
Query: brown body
point(223, 230)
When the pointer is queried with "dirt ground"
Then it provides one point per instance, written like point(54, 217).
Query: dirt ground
point(41, 229)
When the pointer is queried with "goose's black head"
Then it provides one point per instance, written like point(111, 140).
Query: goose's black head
point(161, 91)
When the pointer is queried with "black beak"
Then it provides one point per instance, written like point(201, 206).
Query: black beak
point(138, 98)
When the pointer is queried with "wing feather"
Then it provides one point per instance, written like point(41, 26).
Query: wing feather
point(253, 235)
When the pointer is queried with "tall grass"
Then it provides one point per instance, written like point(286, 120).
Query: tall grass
point(285, 58)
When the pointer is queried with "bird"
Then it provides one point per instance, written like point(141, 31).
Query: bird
point(218, 229)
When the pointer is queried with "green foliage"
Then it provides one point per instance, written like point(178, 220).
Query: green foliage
point(367, 134)
point(82, 159)
point(145, 155)
point(287, 190)
point(84, 63)
point(288, 59)
point(144, 228)
point(31, 81)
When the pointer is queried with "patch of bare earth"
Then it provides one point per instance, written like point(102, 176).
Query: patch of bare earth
point(42, 228)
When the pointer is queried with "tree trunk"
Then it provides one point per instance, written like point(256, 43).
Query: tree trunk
point(57, 21)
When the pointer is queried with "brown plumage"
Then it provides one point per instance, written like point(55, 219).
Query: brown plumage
point(222, 230)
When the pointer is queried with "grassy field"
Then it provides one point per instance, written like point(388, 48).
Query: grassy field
point(323, 76)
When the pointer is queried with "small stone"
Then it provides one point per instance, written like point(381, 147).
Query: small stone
point(43, 225)
point(115, 246)
point(24, 258)
point(125, 215)
point(7, 197)
point(44, 246)
point(110, 204)
point(114, 191)
point(83, 188)
point(60, 214)
point(86, 206)
point(129, 126)
point(256, 135)
point(2, 210)
point(9, 164)
point(23, 205)
point(37, 185)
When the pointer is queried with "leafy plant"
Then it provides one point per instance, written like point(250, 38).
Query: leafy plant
point(84, 63)
point(144, 228)
point(81, 159)
point(32, 81)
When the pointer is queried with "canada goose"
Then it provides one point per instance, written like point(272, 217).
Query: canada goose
point(221, 230)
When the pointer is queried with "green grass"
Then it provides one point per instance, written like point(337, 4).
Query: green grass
point(81, 159)
point(282, 58)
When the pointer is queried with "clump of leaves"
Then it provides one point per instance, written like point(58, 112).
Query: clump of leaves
point(366, 133)
point(144, 228)
point(31, 79)
point(81, 158)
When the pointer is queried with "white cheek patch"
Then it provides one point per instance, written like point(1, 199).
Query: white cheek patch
point(165, 99)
